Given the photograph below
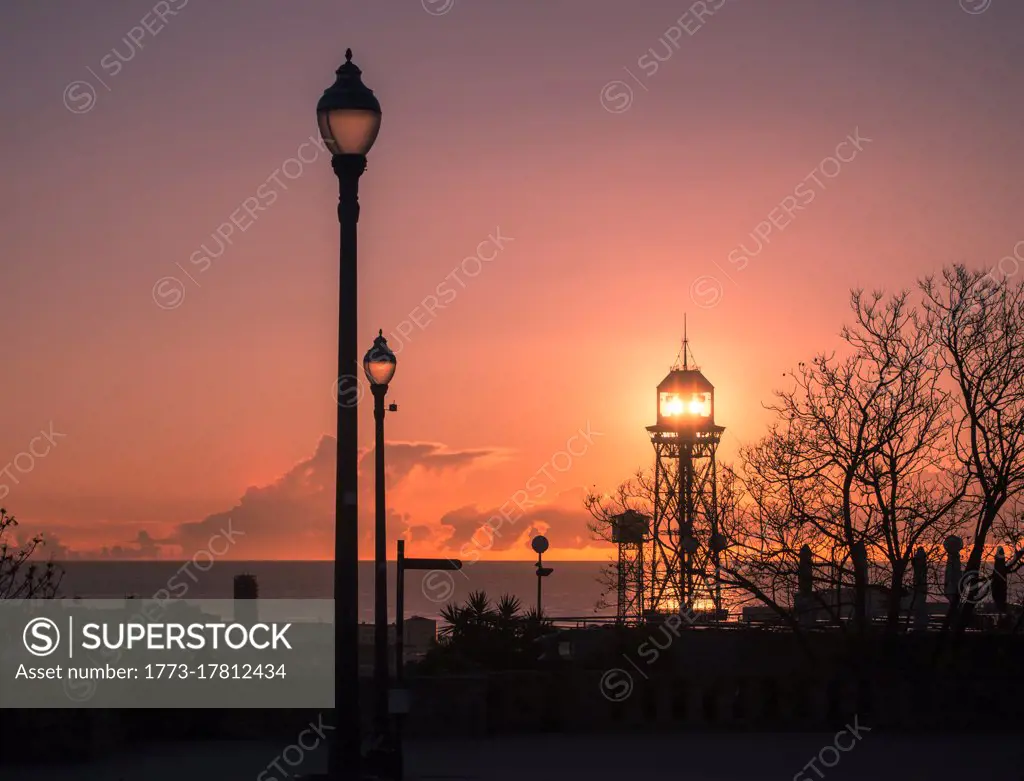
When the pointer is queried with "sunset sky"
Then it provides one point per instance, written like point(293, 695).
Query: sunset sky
point(614, 165)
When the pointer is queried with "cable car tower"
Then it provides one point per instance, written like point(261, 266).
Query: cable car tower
point(685, 540)
point(631, 535)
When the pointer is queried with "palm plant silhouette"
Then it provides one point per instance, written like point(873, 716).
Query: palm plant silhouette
point(482, 634)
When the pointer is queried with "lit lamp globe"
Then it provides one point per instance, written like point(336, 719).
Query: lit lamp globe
point(686, 405)
point(379, 362)
point(348, 113)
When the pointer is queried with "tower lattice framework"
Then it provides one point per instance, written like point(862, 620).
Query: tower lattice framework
point(630, 532)
point(684, 566)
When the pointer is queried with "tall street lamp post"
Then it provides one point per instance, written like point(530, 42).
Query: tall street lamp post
point(379, 365)
point(348, 115)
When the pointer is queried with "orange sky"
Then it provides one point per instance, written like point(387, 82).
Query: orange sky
point(620, 209)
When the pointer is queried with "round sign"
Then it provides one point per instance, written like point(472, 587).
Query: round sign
point(539, 543)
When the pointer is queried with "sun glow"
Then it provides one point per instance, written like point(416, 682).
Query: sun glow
point(673, 405)
point(673, 605)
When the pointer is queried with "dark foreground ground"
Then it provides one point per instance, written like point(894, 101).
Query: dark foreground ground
point(689, 757)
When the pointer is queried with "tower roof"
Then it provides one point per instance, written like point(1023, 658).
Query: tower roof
point(685, 380)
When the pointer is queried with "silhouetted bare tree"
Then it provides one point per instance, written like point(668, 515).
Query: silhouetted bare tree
point(977, 324)
point(21, 577)
point(859, 454)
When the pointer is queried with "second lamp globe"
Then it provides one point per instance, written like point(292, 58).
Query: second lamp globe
point(379, 362)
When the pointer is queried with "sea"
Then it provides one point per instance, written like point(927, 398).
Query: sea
point(572, 590)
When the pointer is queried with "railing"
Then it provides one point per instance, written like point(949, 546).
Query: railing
point(503, 703)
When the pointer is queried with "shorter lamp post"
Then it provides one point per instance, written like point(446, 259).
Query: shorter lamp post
point(539, 545)
point(379, 365)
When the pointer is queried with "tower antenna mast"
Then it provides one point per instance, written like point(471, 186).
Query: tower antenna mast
point(685, 352)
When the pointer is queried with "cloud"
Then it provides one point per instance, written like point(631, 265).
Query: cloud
point(143, 546)
point(50, 548)
point(563, 521)
point(403, 457)
point(293, 517)
point(418, 533)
